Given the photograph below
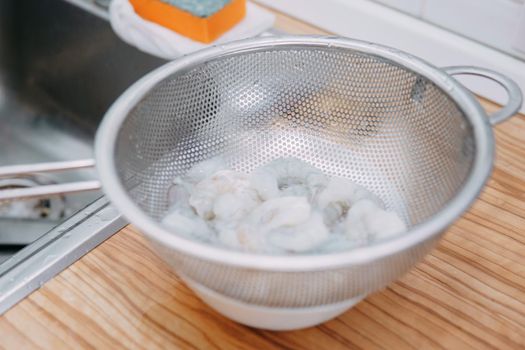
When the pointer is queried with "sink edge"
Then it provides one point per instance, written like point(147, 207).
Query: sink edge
point(29, 269)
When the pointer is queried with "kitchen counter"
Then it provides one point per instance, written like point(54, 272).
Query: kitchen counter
point(468, 293)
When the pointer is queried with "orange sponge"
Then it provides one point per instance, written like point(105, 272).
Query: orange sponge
point(203, 29)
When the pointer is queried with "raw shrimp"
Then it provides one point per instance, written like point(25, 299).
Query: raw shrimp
point(287, 177)
point(226, 191)
point(337, 198)
point(187, 223)
point(286, 206)
point(179, 191)
point(273, 215)
point(302, 237)
point(280, 212)
point(182, 218)
point(205, 169)
point(366, 221)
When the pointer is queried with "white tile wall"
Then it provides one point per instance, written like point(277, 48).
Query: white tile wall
point(493, 22)
point(497, 23)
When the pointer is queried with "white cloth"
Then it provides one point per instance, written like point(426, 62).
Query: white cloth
point(162, 42)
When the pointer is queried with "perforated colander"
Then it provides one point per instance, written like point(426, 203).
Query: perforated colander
point(391, 122)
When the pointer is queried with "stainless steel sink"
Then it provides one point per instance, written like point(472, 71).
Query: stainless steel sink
point(61, 67)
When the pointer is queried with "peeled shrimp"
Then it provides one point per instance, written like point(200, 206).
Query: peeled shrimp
point(300, 238)
point(205, 169)
point(182, 218)
point(272, 215)
point(228, 192)
point(187, 223)
point(339, 196)
point(279, 212)
point(286, 206)
point(283, 224)
point(366, 221)
point(287, 177)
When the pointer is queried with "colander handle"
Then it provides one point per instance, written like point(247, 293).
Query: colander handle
point(47, 190)
point(513, 90)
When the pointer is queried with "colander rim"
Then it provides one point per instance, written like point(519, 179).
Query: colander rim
point(107, 133)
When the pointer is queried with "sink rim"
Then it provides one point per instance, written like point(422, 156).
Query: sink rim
point(30, 268)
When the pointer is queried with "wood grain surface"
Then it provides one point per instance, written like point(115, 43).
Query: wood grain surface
point(469, 293)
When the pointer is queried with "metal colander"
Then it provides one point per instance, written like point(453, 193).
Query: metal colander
point(405, 130)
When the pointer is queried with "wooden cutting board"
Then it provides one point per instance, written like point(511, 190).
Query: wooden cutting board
point(469, 293)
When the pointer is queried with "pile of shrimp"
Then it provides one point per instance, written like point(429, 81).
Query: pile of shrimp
point(284, 207)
